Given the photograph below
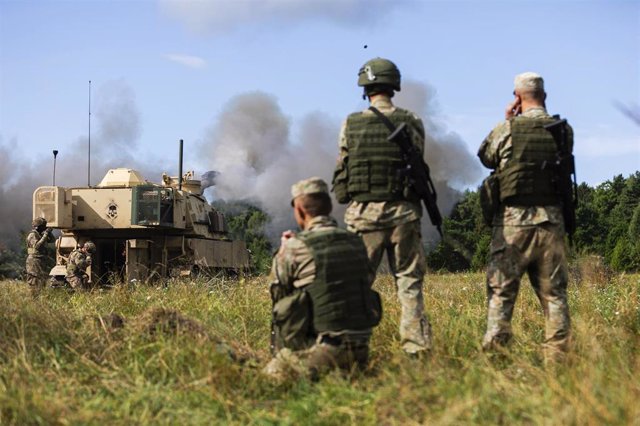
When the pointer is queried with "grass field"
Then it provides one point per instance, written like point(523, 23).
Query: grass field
point(60, 363)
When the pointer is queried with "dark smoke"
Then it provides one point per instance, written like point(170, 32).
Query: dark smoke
point(251, 146)
point(116, 121)
point(208, 179)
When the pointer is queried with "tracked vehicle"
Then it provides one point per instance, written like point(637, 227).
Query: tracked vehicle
point(142, 230)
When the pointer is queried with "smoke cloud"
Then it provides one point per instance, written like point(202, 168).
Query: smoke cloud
point(252, 148)
point(117, 129)
point(220, 16)
point(251, 144)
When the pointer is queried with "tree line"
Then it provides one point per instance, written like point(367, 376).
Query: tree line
point(608, 225)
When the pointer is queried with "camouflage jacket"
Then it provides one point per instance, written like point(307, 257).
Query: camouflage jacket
point(36, 243)
point(371, 216)
point(494, 152)
point(78, 262)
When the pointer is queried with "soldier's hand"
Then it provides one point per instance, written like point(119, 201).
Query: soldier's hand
point(48, 231)
point(514, 108)
point(286, 235)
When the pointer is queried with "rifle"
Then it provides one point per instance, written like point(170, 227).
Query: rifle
point(566, 167)
point(416, 169)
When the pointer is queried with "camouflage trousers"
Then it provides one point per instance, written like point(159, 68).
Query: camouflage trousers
point(538, 250)
point(403, 245)
point(36, 275)
point(78, 282)
point(323, 356)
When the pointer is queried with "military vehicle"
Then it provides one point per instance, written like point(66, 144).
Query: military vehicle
point(141, 230)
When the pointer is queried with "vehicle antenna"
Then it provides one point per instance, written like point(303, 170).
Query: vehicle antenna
point(180, 167)
point(55, 154)
point(89, 147)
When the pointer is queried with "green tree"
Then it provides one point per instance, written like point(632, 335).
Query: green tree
point(247, 222)
point(466, 242)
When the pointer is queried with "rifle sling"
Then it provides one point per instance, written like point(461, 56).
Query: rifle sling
point(385, 120)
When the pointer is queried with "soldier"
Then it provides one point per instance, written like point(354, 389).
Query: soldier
point(382, 208)
point(37, 241)
point(79, 261)
point(323, 305)
point(528, 226)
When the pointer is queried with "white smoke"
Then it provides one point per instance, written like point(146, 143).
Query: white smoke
point(251, 146)
point(117, 128)
point(220, 16)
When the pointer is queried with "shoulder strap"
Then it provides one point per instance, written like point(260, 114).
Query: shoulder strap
point(385, 120)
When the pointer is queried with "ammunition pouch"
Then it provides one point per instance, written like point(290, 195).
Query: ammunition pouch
point(292, 325)
point(490, 198)
point(340, 186)
point(340, 182)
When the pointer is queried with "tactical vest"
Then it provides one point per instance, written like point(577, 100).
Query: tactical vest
point(373, 161)
point(530, 174)
point(340, 294)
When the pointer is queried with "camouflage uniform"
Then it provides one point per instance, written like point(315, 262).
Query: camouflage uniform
point(77, 264)
point(525, 239)
point(35, 264)
point(394, 227)
point(294, 268)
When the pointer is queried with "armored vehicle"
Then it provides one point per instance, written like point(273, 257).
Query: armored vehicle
point(141, 230)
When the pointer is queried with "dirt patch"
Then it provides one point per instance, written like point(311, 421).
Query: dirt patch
point(169, 322)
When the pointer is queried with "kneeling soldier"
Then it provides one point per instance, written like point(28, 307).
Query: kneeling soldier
point(323, 304)
point(79, 261)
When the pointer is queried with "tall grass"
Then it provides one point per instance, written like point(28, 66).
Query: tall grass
point(62, 361)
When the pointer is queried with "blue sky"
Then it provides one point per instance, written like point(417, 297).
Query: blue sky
point(179, 64)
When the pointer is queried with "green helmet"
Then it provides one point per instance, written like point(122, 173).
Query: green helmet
point(90, 247)
point(379, 71)
point(39, 222)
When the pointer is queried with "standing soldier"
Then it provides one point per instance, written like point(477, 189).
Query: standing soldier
point(528, 223)
point(79, 261)
point(383, 209)
point(323, 305)
point(37, 241)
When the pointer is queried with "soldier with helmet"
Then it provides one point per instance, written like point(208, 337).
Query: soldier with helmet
point(383, 209)
point(528, 223)
point(77, 264)
point(37, 240)
point(323, 305)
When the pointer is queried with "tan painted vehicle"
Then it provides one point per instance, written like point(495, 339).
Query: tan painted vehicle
point(141, 230)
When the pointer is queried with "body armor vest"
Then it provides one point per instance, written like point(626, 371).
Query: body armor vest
point(340, 294)
point(374, 162)
point(529, 176)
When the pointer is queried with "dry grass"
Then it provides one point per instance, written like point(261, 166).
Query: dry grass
point(93, 358)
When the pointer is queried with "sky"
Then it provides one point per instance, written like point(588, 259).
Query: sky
point(166, 70)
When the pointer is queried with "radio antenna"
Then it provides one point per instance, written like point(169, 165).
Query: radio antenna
point(89, 147)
